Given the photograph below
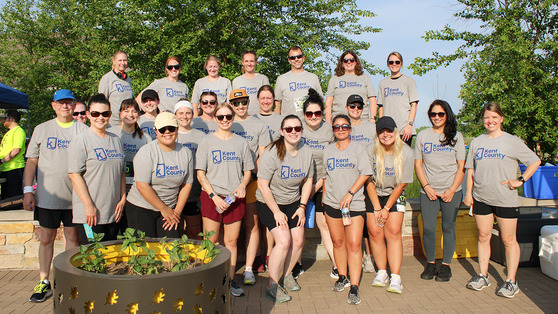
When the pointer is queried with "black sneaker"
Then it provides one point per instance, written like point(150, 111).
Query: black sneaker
point(297, 270)
point(341, 283)
point(42, 292)
point(354, 298)
point(429, 272)
point(444, 273)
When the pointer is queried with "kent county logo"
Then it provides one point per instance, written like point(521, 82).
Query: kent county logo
point(51, 142)
point(292, 86)
point(342, 84)
point(331, 164)
point(170, 92)
point(427, 148)
point(285, 172)
point(216, 156)
point(160, 170)
point(119, 88)
point(100, 154)
point(479, 153)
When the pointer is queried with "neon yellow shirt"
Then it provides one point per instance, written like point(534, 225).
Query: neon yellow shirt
point(14, 138)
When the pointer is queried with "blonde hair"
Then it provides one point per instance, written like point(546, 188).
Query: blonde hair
point(212, 58)
point(394, 53)
point(380, 153)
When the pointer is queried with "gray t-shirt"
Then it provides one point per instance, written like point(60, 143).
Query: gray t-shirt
point(389, 175)
point(222, 87)
point(343, 169)
point(147, 125)
point(169, 92)
point(285, 176)
point(206, 127)
point(116, 90)
point(341, 87)
point(224, 162)
point(273, 122)
point(251, 86)
point(101, 161)
point(494, 161)
point(439, 162)
point(317, 141)
point(50, 144)
point(364, 133)
point(131, 146)
point(396, 96)
point(164, 171)
point(255, 132)
point(292, 90)
point(191, 140)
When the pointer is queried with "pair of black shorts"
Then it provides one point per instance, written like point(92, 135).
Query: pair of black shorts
point(51, 218)
point(481, 209)
point(336, 212)
point(383, 201)
point(191, 209)
point(268, 219)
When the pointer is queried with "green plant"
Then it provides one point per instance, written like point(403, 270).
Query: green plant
point(206, 244)
point(141, 264)
point(91, 257)
point(179, 254)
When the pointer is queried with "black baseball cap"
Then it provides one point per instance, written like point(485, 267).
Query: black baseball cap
point(355, 98)
point(385, 122)
point(149, 93)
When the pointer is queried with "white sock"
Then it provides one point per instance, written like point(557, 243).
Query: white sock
point(248, 268)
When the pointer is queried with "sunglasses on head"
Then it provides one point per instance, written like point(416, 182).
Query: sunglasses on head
point(238, 103)
point(439, 114)
point(343, 127)
point(224, 116)
point(296, 57)
point(211, 102)
point(96, 114)
point(396, 62)
point(78, 113)
point(347, 60)
point(173, 66)
point(309, 114)
point(354, 105)
point(169, 128)
point(290, 129)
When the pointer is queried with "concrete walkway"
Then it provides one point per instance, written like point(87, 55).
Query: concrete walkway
point(539, 293)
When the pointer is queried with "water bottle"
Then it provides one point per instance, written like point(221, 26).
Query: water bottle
point(310, 214)
point(346, 215)
point(230, 199)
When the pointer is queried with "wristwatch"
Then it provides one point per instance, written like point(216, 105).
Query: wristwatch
point(522, 179)
point(211, 195)
point(411, 123)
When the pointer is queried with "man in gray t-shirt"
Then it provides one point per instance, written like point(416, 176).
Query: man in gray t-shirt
point(251, 86)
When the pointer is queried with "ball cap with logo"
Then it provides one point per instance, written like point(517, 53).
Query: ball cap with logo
point(385, 122)
point(63, 94)
point(164, 119)
point(355, 98)
point(149, 93)
point(237, 94)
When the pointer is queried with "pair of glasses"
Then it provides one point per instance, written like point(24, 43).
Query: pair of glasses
point(296, 57)
point(211, 102)
point(396, 62)
point(78, 113)
point(169, 128)
point(439, 114)
point(290, 129)
point(310, 114)
point(96, 114)
point(224, 116)
point(353, 106)
point(238, 103)
point(349, 60)
point(343, 127)
point(173, 66)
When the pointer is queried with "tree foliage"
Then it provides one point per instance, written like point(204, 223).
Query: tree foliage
point(48, 44)
point(513, 61)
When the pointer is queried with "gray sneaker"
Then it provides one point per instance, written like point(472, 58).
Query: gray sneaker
point(381, 279)
point(508, 290)
point(277, 294)
point(289, 283)
point(341, 283)
point(249, 278)
point(478, 282)
point(368, 265)
point(354, 298)
point(236, 290)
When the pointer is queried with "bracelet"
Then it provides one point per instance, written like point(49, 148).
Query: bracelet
point(302, 205)
point(27, 189)
point(427, 184)
point(353, 194)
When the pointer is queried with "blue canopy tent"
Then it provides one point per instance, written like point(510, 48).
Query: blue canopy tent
point(12, 98)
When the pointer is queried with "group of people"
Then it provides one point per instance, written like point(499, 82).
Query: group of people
point(246, 156)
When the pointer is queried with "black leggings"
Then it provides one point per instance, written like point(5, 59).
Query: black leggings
point(148, 221)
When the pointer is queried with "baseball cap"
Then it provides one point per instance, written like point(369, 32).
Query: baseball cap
point(355, 98)
point(183, 104)
point(385, 122)
point(63, 94)
point(238, 93)
point(165, 119)
point(149, 93)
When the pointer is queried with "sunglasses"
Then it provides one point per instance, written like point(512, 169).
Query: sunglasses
point(353, 106)
point(343, 127)
point(349, 60)
point(290, 129)
point(309, 114)
point(439, 114)
point(96, 114)
point(396, 62)
point(238, 103)
point(211, 102)
point(169, 128)
point(224, 116)
point(173, 66)
point(296, 57)
point(78, 113)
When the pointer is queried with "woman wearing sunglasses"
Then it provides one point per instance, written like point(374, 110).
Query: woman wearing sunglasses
point(347, 169)
point(170, 88)
point(392, 163)
point(439, 163)
point(212, 82)
point(492, 184)
point(96, 170)
point(318, 135)
point(266, 99)
point(250, 81)
point(285, 183)
point(224, 165)
point(163, 176)
point(398, 98)
point(349, 79)
point(80, 112)
point(206, 122)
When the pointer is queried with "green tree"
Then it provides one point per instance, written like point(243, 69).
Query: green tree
point(51, 44)
point(513, 61)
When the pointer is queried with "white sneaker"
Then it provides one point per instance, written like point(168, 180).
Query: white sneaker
point(395, 284)
point(249, 278)
point(368, 265)
point(381, 279)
